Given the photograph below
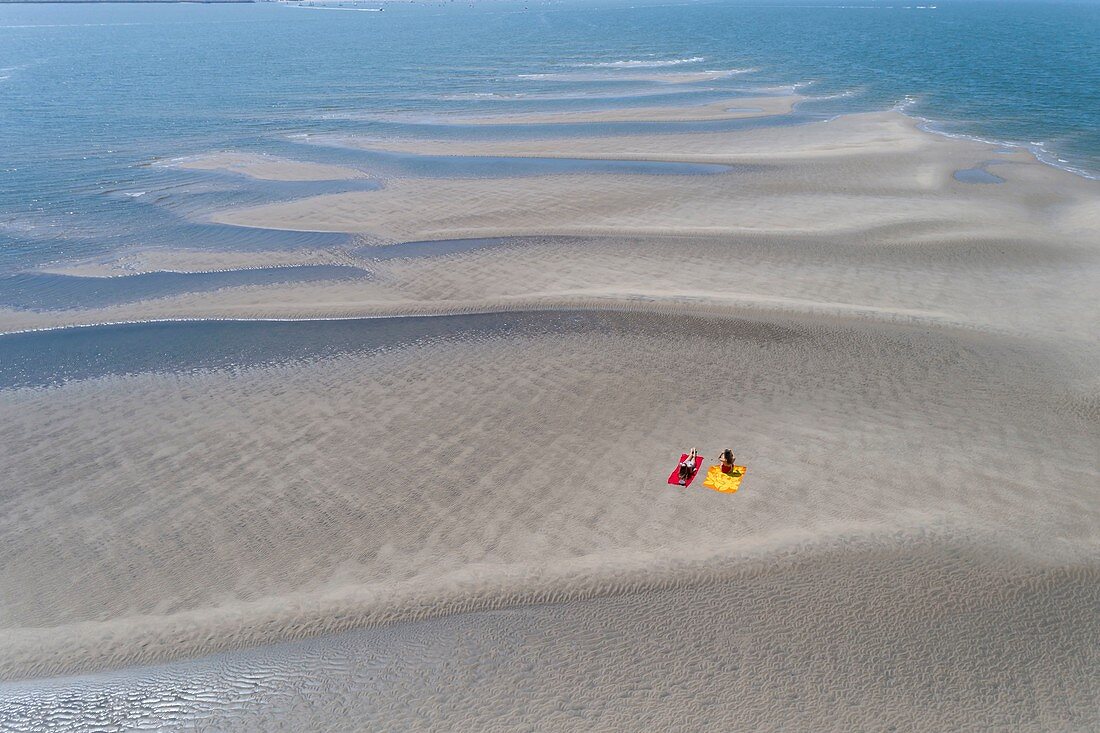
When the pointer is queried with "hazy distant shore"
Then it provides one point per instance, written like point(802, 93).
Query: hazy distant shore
point(129, 2)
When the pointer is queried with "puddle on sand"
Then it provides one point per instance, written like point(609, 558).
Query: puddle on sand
point(977, 174)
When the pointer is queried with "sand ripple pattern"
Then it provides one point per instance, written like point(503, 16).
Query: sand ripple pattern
point(461, 523)
point(864, 632)
point(161, 515)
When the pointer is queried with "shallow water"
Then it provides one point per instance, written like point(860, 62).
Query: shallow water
point(976, 175)
point(53, 357)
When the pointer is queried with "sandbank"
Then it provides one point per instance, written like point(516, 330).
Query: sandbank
point(267, 168)
point(912, 273)
point(875, 226)
point(847, 176)
point(241, 528)
point(459, 503)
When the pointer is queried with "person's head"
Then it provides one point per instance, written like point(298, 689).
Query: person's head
point(727, 455)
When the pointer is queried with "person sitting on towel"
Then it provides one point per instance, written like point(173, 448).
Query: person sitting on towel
point(727, 461)
point(687, 467)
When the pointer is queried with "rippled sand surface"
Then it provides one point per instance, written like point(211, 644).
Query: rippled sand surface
point(451, 513)
point(889, 632)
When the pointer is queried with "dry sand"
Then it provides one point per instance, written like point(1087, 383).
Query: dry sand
point(906, 363)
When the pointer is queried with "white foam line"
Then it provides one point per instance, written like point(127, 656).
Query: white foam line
point(639, 64)
point(846, 94)
point(1036, 148)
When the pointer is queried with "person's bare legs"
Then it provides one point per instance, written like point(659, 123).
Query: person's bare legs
point(687, 467)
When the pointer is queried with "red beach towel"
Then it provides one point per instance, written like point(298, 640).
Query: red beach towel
point(674, 477)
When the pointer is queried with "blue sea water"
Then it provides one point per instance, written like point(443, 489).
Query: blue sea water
point(93, 98)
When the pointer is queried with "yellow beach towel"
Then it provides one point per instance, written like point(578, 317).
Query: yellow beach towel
point(727, 483)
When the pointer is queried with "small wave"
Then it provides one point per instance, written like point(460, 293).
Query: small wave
point(607, 73)
point(7, 72)
point(907, 102)
point(776, 90)
point(846, 94)
point(480, 95)
point(732, 72)
point(640, 64)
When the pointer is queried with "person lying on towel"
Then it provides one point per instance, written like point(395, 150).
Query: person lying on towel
point(687, 467)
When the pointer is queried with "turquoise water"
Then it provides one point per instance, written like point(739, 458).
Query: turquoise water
point(92, 97)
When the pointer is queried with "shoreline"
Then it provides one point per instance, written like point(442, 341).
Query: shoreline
point(1036, 150)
